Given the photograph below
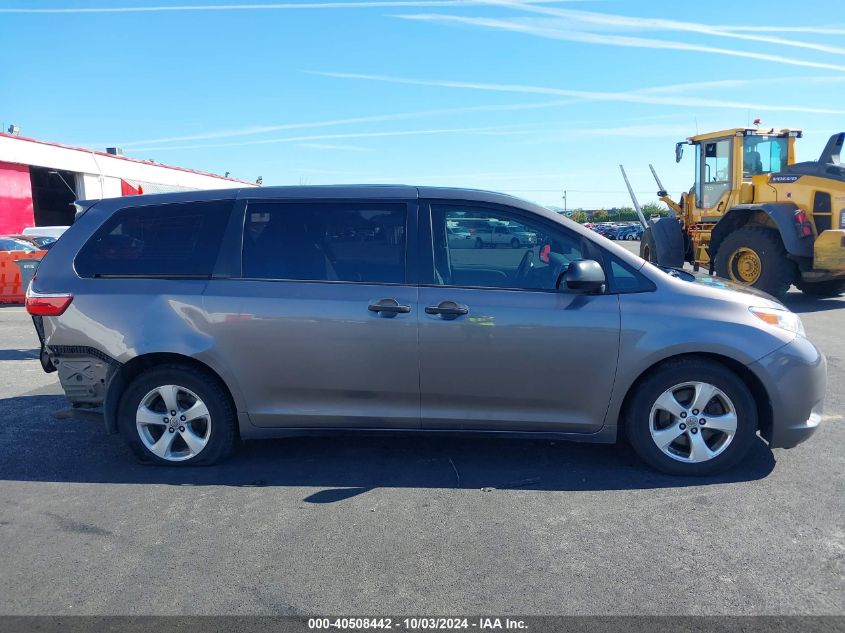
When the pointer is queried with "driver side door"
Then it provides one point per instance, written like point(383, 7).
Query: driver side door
point(500, 347)
point(714, 176)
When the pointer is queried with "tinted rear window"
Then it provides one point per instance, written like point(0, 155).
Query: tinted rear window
point(168, 240)
point(325, 241)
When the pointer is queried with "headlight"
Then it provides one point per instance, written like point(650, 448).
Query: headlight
point(783, 319)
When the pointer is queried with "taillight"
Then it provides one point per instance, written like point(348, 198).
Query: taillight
point(47, 305)
point(802, 224)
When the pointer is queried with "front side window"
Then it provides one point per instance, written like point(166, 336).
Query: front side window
point(325, 241)
point(715, 172)
point(167, 240)
point(488, 248)
point(763, 155)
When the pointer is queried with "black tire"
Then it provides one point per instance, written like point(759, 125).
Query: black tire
point(647, 246)
point(223, 433)
point(831, 288)
point(638, 406)
point(514, 243)
point(777, 271)
point(479, 243)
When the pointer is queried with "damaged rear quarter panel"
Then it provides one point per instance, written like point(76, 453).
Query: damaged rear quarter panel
point(91, 340)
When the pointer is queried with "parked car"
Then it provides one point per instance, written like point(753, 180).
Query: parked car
point(46, 231)
point(12, 243)
point(40, 242)
point(196, 319)
point(604, 229)
point(459, 237)
point(629, 233)
point(500, 234)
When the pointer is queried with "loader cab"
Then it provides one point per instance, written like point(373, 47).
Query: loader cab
point(727, 162)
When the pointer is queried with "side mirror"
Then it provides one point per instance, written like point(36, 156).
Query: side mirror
point(584, 275)
point(679, 151)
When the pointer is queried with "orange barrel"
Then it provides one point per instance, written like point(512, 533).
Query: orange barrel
point(12, 288)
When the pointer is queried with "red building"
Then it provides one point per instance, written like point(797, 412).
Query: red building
point(39, 181)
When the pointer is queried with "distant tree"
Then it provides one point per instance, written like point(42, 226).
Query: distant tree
point(600, 215)
point(626, 214)
point(655, 208)
point(579, 216)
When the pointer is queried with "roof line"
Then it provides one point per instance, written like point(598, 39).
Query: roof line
point(120, 157)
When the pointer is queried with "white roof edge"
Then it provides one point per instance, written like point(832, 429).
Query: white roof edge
point(26, 151)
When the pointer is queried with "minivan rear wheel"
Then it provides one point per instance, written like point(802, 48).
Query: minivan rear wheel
point(691, 417)
point(177, 416)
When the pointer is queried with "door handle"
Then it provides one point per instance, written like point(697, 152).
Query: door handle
point(448, 309)
point(388, 308)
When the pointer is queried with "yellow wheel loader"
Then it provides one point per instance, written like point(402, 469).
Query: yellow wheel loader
point(754, 215)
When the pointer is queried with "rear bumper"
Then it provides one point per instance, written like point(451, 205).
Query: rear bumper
point(829, 252)
point(795, 377)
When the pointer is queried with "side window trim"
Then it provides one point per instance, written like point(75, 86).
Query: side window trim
point(229, 263)
point(411, 219)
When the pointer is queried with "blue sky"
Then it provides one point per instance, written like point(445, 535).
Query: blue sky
point(526, 97)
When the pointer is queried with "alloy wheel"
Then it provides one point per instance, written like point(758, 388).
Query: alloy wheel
point(693, 422)
point(173, 423)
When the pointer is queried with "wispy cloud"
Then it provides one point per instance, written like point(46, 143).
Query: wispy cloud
point(561, 30)
point(506, 130)
point(626, 96)
point(814, 30)
point(377, 118)
point(609, 20)
point(323, 137)
point(274, 6)
point(336, 147)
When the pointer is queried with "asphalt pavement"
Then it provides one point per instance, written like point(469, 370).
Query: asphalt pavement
point(428, 526)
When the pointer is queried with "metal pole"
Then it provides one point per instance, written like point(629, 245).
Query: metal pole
point(660, 186)
point(634, 198)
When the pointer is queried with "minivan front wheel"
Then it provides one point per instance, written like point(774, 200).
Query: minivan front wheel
point(691, 417)
point(177, 416)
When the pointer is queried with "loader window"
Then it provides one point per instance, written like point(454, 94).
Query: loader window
point(714, 177)
point(763, 155)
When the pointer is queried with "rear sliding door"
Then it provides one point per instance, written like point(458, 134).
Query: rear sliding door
point(321, 327)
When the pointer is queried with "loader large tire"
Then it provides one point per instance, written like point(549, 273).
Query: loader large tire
point(756, 256)
point(647, 246)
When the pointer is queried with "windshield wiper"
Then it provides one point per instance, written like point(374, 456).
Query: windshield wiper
point(679, 273)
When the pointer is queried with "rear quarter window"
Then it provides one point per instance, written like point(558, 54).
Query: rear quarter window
point(166, 240)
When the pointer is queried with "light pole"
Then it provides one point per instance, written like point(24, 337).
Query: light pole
point(564, 202)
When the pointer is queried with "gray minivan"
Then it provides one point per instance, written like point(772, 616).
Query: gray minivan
point(197, 319)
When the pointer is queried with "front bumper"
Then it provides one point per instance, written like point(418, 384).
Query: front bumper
point(795, 377)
